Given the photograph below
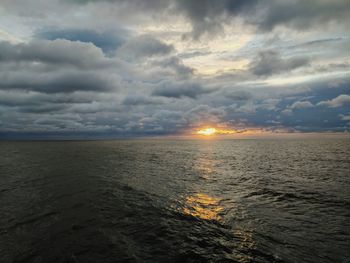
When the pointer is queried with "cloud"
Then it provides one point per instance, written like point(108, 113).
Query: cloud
point(339, 101)
point(239, 95)
point(57, 82)
point(208, 17)
point(287, 112)
point(204, 114)
point(8, 37)
point(269, 62)
point(57, 66)
point(57, 52)
point(143, 46)
point(204, 16)
point(108, 41)
point(179, 90)
point(137, 100)
point(301, 105)
point(318, 42)
point(344, 117)
point(300, 14)
point(175, 64)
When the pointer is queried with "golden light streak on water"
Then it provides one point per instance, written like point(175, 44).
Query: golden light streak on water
point(203, 206)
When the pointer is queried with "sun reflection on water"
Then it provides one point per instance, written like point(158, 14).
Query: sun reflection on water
point(203, 206)
point(207, 207)
point(246, 244)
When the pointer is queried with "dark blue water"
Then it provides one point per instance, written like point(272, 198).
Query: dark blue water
point(175, 201)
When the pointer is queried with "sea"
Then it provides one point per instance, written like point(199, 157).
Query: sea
point(175, 200)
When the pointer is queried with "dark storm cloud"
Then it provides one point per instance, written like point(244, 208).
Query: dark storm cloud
point(270, 62)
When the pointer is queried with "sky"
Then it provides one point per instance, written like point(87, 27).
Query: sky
point(110, 68)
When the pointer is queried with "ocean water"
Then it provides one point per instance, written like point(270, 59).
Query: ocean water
point(175, 201)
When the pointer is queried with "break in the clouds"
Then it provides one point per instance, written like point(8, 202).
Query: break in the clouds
point(165, 67)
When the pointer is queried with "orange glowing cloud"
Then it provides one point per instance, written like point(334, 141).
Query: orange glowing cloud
point(214, 131)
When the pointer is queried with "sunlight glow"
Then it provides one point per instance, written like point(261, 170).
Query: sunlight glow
point(207, 131)
point(215, 131)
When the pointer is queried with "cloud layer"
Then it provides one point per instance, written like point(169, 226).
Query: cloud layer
point(165, 67)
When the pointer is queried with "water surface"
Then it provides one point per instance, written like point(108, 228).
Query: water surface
point(175, 201)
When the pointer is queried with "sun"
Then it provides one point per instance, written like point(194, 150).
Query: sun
point(207, 131)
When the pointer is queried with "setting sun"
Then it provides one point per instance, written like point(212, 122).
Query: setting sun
point(207, 131)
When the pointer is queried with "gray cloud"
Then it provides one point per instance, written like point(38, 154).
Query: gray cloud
point(344, 117)
point(270, 62)
point(108, 41)
point(318, 42)
point(301, 14)
point(57, 82)
point(137, 100)
point(56, 66)
point(64, 52)
point(175, 64)
point(301, 105)
point(204, 114)
point(240, 95)
point(143, 46)
point(339, 101)
point(207, 16)
point(178, 90)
